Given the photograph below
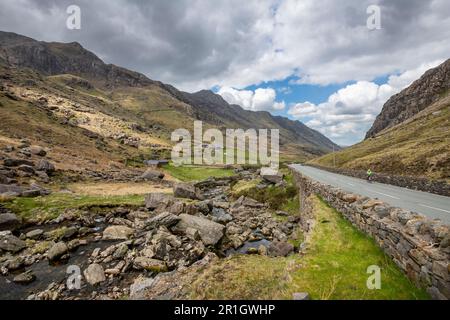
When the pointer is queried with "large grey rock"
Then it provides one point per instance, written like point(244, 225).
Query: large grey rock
point(46, 166)
point(210, 232)
point(152, 175)
point(37, 150)
point(117, 233)
point(271, 175)
point(163, 219)
point(184, 190)
point(149, 264)
point(11, 243)
point(221, 216)
point(158, 200)
point(137, 289)
point(24, 278)
point(57, 251)
point(8, 221)
point(94, 274)
point(34, 234)
point(280, 249)
point(17, 162)
point(11, 189)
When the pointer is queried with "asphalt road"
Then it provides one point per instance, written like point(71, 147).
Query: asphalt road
point(432, 205)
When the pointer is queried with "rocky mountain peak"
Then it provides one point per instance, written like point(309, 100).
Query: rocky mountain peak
point(422, 93)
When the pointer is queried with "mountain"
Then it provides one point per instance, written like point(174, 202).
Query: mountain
point(410, 137)
point(116, 110)
point(418, 96)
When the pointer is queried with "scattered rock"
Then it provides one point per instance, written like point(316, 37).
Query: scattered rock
point(184, 190)
point(46, 166)
point(9, 162)
point(280, 249)
point(94, 274)
point(137, 289)
point(57, 251)
point(8, 221)
point(271, 175)
point(158, 200)
point(34, 234)
point(350, 198)
point(37, 150)
point(11, 243)
point(163, 219)
point(117, 233)
point(149, 264)
point(25, 278)
point(152, 175)
point(210, 232)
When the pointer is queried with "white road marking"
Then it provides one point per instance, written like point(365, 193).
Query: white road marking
point(434, 208)
point(387, 195)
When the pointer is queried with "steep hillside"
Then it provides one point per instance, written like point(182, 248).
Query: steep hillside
point(419, 146)
point(422, 93)
point(127, 106)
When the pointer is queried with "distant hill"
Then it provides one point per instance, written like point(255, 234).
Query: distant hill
point(411, 136)
point(129, 102)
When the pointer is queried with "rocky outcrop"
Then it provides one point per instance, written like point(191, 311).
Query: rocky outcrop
point(419, 246)
point(418, 96)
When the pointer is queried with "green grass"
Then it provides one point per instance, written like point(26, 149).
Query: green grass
point(50, 207)
point(334, 267)
point(277, 198)
point(197, 173)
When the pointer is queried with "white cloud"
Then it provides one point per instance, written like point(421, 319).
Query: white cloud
point(201, 44)
point(262, 99)
point(348, 113)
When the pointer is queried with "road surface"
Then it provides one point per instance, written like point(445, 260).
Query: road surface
point(432, 205)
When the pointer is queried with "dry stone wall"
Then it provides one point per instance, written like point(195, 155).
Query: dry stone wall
point(419, 246)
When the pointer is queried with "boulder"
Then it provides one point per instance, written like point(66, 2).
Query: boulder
point(25, 278)
point(271, 175)
point(8, 221)
point(221, 216)
point(11, 243)
point(94, 274)
point(37, 150)
point(372, 203)
point(158, 200)
point(210, 232)
point(152, 175)
point(117, 233)
point(137, 289)
point(11, 189)
point(34, 234)
point(381, 211)
point(9, 162)
point(163, 219)
point(184, 190)
point(46, 166)
point(280, 249)
point(149, 264)
point(57, 251)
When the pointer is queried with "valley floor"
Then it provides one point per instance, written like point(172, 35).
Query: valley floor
point(131, 247)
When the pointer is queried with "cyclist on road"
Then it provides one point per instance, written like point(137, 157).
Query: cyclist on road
point(369, 174)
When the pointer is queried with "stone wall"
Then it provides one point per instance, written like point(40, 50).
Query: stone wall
point(419, 246)
point(414, 183)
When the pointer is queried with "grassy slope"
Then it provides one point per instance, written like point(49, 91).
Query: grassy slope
point(50, 207)
point(417, 147)
point(334, 267)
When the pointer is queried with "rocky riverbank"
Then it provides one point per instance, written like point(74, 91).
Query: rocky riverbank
point(120, 251)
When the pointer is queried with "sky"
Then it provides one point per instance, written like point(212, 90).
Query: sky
point(313, 61)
